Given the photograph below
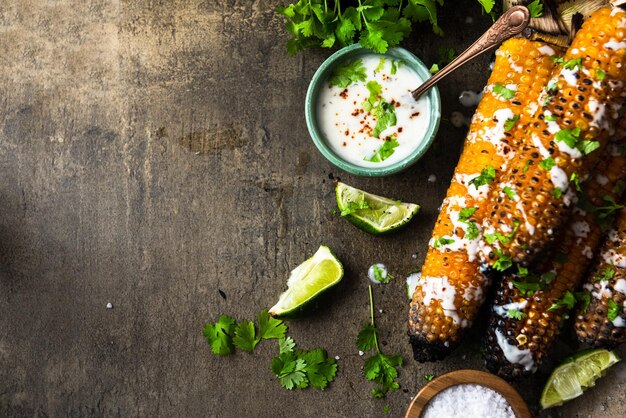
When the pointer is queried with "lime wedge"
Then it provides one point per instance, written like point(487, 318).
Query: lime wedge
point(374, 214)
point(576, 374)
point(306, 282)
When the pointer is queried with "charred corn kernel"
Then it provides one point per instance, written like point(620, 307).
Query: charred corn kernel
point(602, 321)
point(575, 117)
point(528, 311)
point(452, 288)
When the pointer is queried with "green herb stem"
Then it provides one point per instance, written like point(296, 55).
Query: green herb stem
point(372, 318)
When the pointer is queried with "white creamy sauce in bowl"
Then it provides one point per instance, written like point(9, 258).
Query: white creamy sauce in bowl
point(348, 116)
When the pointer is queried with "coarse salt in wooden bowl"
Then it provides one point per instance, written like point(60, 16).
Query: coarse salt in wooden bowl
point(472, 377)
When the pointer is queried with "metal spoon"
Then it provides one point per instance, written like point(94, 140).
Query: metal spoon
point(512, 22)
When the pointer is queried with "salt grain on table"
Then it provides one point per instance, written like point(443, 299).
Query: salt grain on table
point(468, 401)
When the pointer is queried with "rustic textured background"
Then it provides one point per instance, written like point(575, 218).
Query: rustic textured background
point(155, 152)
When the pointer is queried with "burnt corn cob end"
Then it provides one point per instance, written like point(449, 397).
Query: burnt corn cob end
point(602, 322)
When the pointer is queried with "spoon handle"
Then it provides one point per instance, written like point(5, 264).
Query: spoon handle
point(512, 22)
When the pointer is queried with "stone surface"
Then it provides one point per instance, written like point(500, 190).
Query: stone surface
point(154, 152)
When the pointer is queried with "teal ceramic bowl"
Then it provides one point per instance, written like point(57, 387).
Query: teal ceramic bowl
point(320, 78)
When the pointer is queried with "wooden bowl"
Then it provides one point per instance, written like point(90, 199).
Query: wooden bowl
point(476, 377)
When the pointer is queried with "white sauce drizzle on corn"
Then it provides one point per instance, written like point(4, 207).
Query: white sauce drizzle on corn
point(440, 289)
point(504, 309)
point(616, 259)
point(514, 355)
point(546, 50)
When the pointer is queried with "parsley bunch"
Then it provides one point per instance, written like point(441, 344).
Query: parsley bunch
point(379, 368)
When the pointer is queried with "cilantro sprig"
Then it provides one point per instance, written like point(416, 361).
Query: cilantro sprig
point(532, 282)
point(294, 368)
point(347, 73)
point(300, 368)
point(613, 311)
point(487, 176)
point(379, 368)
point(607, 274)
point(571, 137)
point(510, 123)
point(442, 241)
point(568, 301)
point(226, 334)
point(515, 314)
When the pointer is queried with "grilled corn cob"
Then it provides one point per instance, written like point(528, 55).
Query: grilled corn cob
point(452, 287)
point(529, 308)
point(574, 120)
point(602, 323)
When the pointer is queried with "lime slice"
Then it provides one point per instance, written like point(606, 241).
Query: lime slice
point(371, 213)
point(576, 374)
point(308, 281)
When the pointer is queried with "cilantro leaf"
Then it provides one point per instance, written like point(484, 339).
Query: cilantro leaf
point(606, 275)
point(509, 192)
point(395, 64)
point(289, 369)
point(501, 90)
point(366, 340)
point(487, 176)
point(510, 123)
point(575, 180)
point(429, 377)
point(319, 369)
point(381, 65)
point(547, 164)
point(434, 68)
point(286, 345)
point(347, 73)
point(385, 114)
point(245, 338)
point(527, 288)
point(270, 327)
point(573, 63)
point(466, 213)
point(535, 8)
point(587, 147)
point(556, 192)
point(522, 271)
point(600, 74)
point(472, 231)
point(568, 136)
point(383, 370)
point(550, 118)
point(487, 5)
point(219, 335)
point(567, 301)
point(441, 241)
point(503, 262)
point(613, 311)
point(515, 314)
point(384, 152)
